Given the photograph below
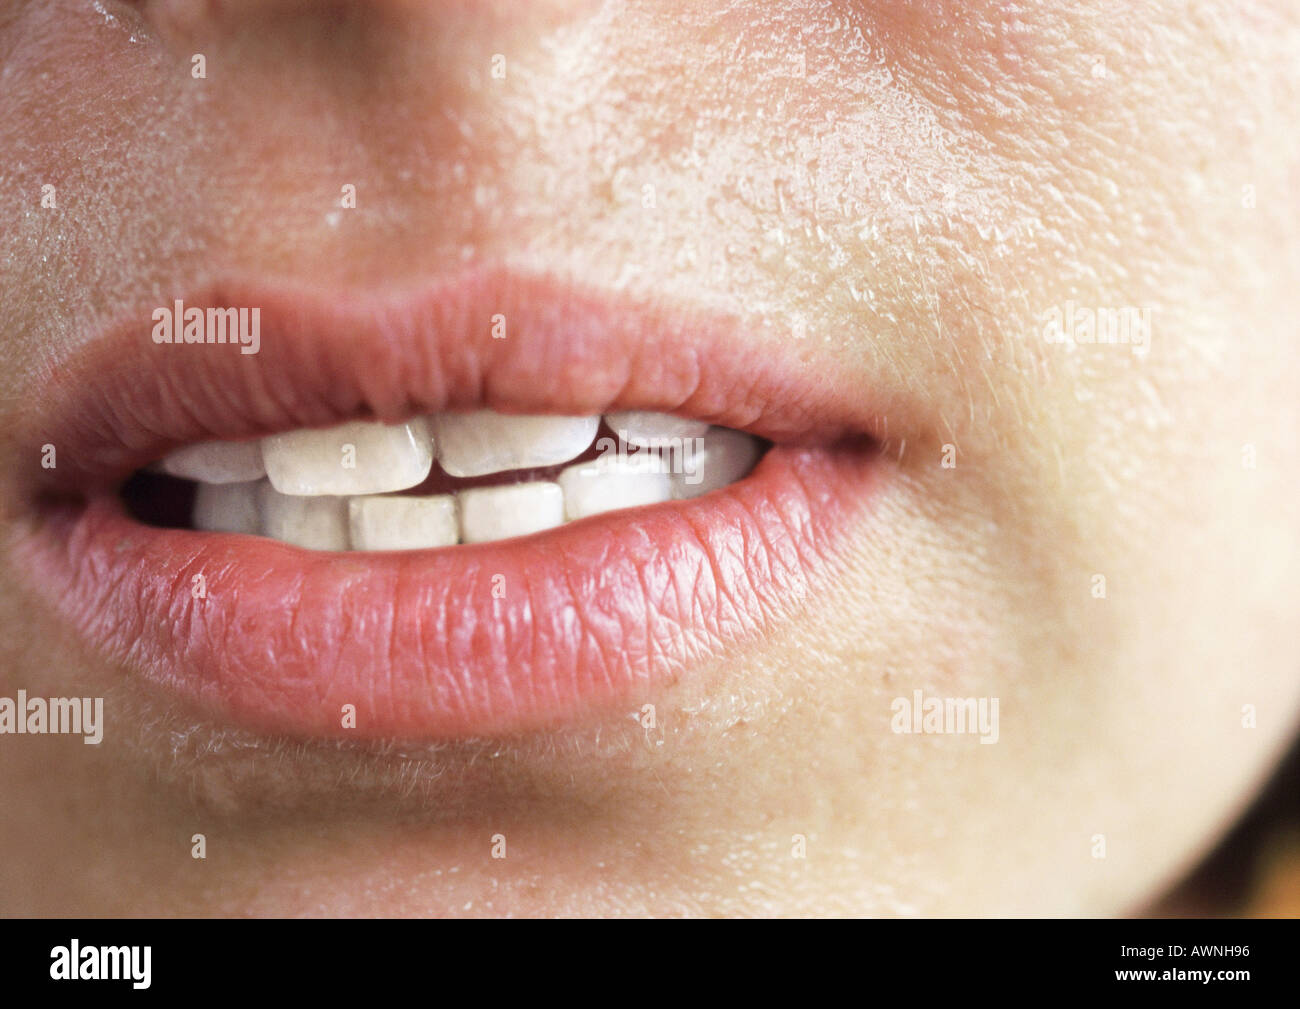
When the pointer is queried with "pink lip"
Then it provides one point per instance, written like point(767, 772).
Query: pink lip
point(463, 641)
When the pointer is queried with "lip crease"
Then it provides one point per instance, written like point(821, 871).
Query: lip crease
point(455, 642)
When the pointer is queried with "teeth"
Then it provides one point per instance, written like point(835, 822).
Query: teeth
point(402, 523)
point(728, 455)
point(611, 482)
point(354, 458)
point(226, 508)
point(497, 513)
point(316, 523)
point(216, 462)
point(640, 426)
point(475, 444)
point(332, 489)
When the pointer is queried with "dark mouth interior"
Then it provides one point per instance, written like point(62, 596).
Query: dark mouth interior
point(157, 499)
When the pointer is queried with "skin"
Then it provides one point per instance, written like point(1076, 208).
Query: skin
point(911, 185)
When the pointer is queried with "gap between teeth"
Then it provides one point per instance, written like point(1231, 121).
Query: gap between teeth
point(326, 489)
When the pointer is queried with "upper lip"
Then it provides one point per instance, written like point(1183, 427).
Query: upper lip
point(123, 401)
point(421, 644)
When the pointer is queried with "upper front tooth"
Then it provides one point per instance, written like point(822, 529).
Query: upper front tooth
point(216, 462)
point(403, 522)
point(727, 456)
point(611, 482)
point(643, 426)
point(316, 523)
point(355, 458)
point(474, 444)
point(497, 513)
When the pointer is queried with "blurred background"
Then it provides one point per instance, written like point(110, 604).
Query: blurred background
point(1255, 871)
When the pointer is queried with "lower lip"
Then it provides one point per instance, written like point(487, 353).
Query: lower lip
point(464, 641)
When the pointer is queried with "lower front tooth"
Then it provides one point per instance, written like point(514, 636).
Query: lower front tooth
point(402, 522)
point(227, 508)
point(609, 482)
point(315, 523)
point(355, 458)
point(498, 513)
point(727, 456)
point(216, 462)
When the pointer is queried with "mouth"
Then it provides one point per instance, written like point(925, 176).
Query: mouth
point(499, 504)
